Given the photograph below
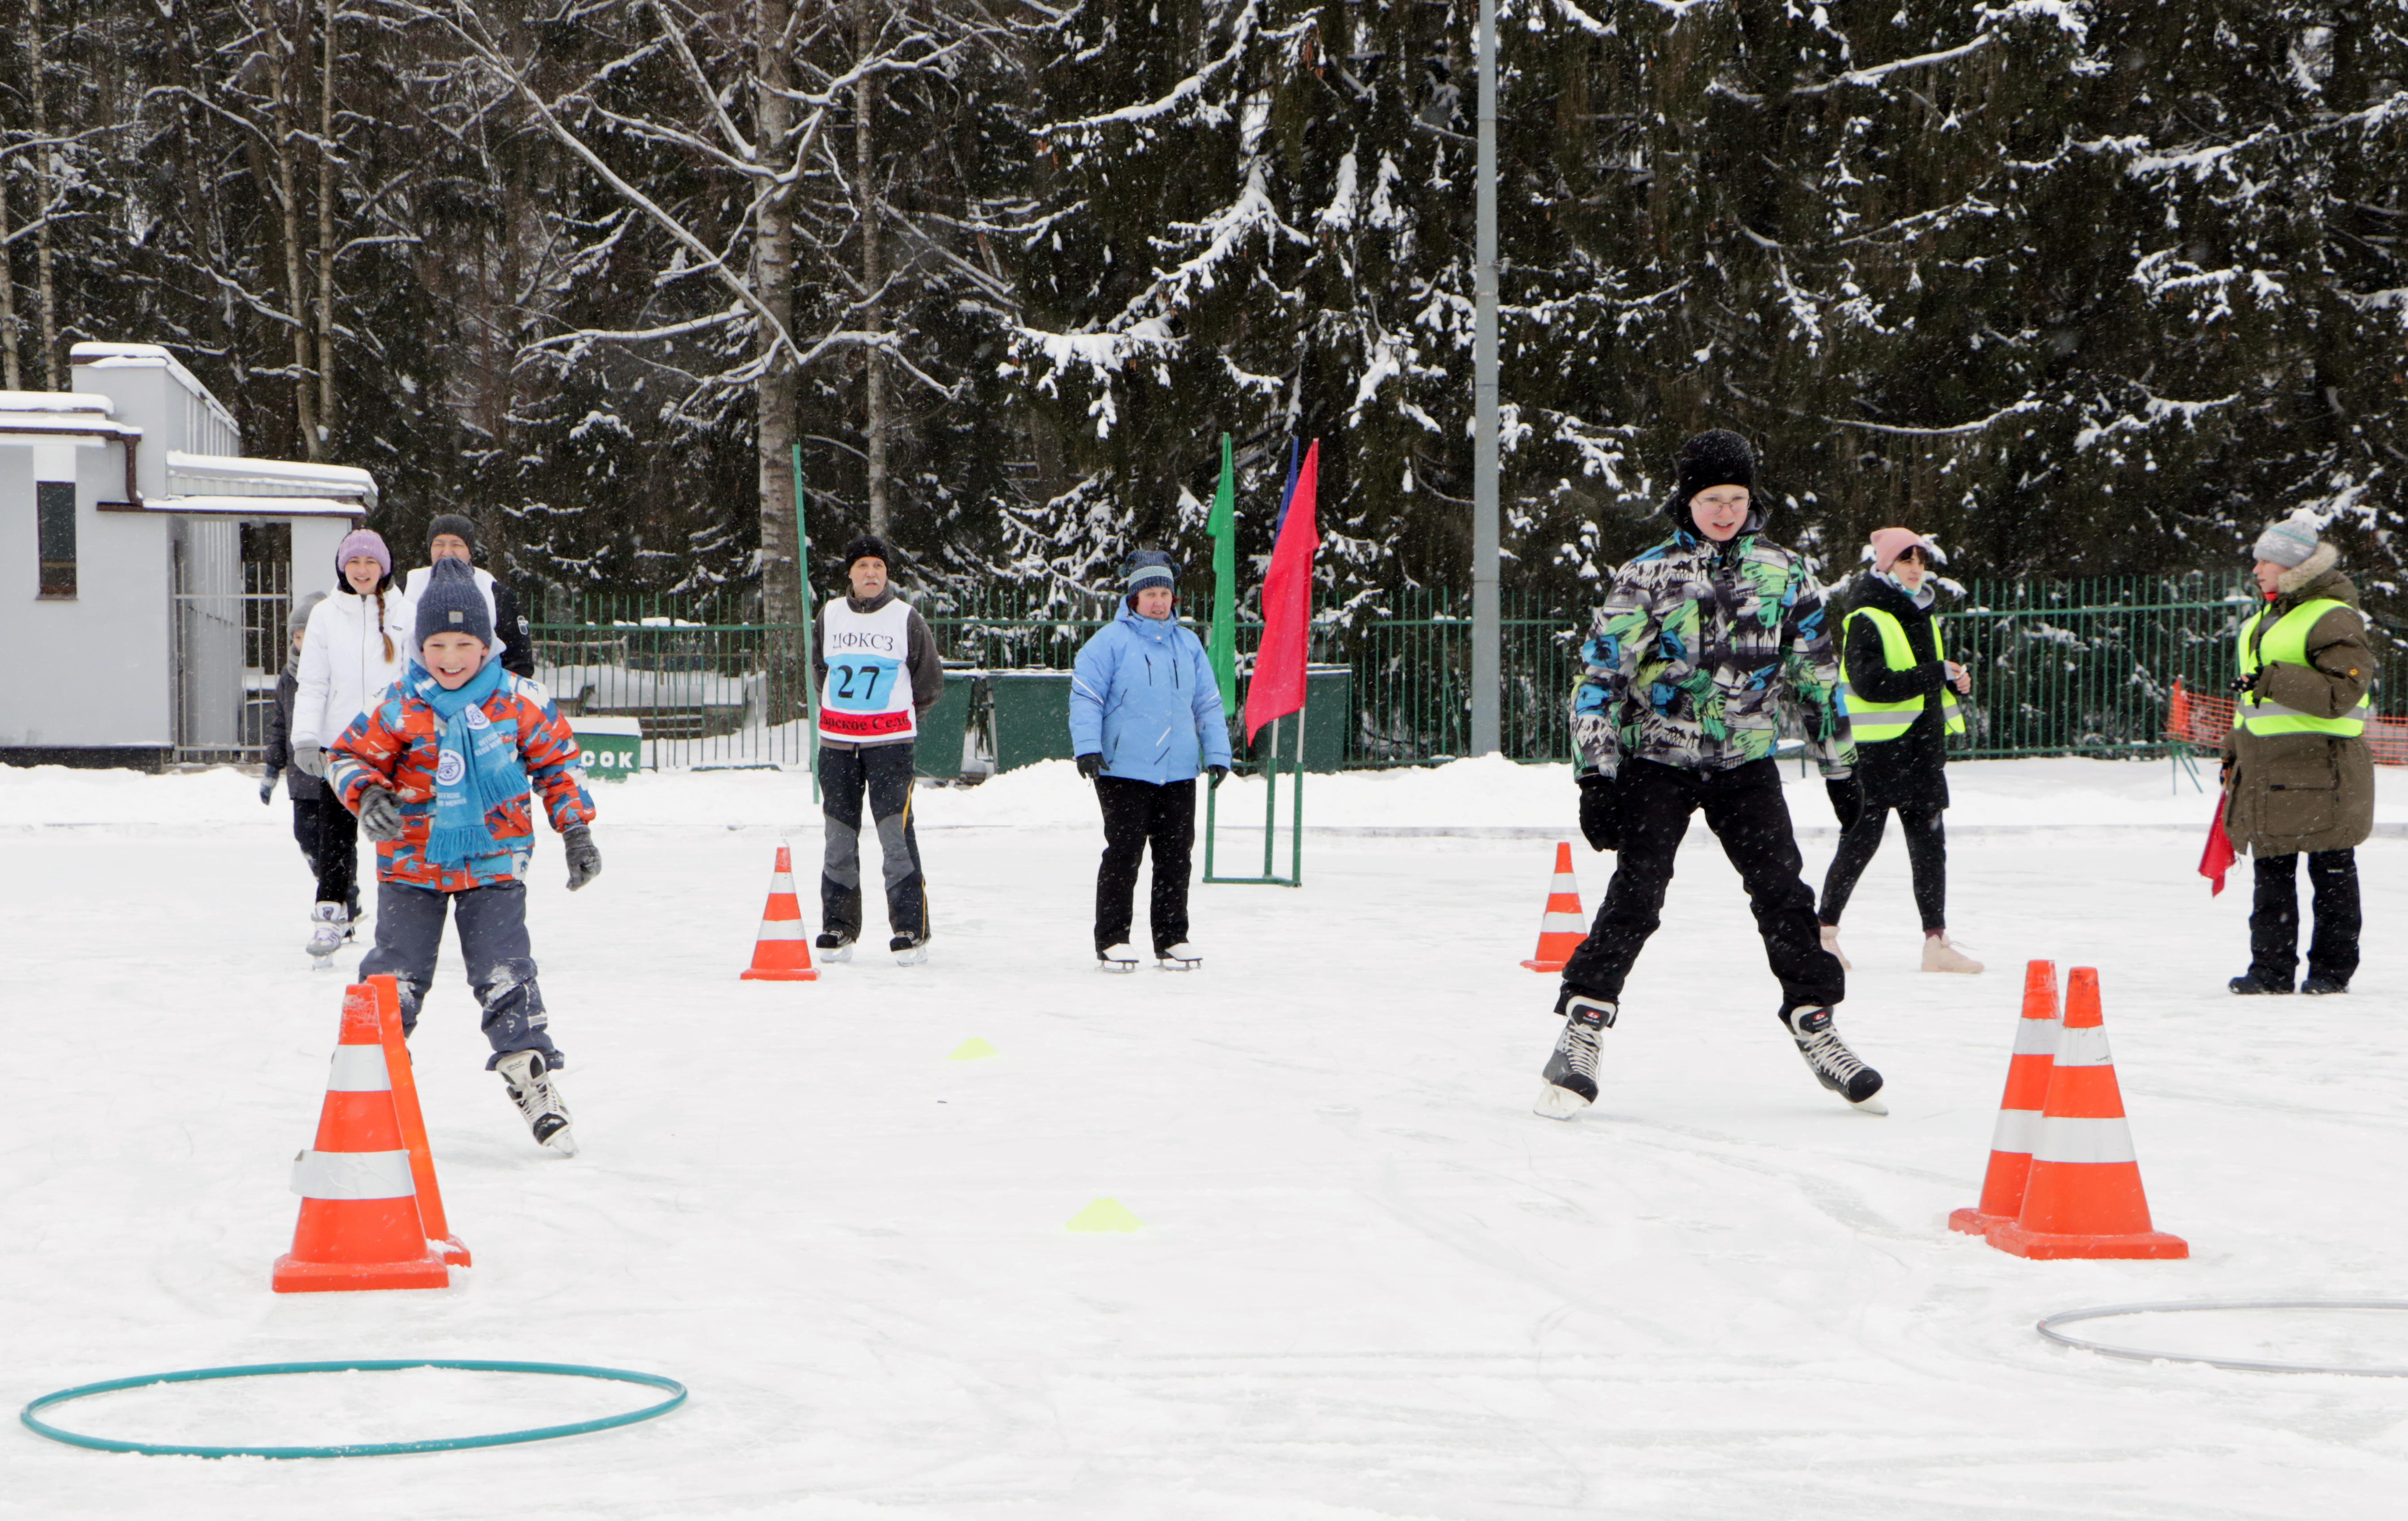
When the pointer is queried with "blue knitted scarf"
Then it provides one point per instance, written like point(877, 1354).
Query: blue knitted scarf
point(477, 765)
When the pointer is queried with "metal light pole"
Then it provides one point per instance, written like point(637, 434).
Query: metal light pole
point(1486, 646)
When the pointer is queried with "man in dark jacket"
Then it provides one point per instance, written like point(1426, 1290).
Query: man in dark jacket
point(878, 671)
point(452, 536)
point(1902, 693)
point(1701, 644)
point(2299, 778)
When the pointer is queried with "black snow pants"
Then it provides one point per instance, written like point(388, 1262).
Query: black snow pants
point(1136, 814)
point(329, 837)
point(1744, 809)
point(1926, 857)
point(491, 924)
point(2274, 916)
point(883, 774)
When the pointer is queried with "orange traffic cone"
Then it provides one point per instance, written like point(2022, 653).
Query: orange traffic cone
point(781, 954)
point(2019, 1111)
point(2083, 1199)
point(413, 1122)
point(1563, 926)
point(360, 1226)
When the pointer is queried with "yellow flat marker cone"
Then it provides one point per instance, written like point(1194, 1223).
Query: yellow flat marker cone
point(971, 1050)
point(1105, 1214)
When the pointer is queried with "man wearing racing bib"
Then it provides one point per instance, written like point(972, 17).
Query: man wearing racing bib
point(877, 670)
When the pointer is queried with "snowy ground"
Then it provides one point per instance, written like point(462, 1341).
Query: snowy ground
point(1370, 1282)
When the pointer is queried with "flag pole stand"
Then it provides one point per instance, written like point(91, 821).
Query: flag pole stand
point(1270, 769)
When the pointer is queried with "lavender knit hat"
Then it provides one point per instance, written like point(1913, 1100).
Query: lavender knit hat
point(361, 542)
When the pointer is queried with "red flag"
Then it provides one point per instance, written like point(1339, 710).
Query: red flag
point(2214, 861)
point(1277, 686)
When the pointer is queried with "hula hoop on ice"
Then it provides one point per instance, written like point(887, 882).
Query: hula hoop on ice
point(2047, 1327)
point(359, 1449)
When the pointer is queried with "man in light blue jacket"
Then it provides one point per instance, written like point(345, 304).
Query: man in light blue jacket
point(1145, 718)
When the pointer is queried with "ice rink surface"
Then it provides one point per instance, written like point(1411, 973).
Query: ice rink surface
point(1369, 1284)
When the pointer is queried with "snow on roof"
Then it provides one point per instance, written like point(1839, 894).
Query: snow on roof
point(244, 507)
point(148, 356)
point(55, 401)
point(236, 476)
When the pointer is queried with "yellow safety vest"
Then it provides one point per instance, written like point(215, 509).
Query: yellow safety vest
point(2287, 642)
point(1874, 722)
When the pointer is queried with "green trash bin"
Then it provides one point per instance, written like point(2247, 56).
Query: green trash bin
point(611, 746)
point(939, 753)
point(1032, 717)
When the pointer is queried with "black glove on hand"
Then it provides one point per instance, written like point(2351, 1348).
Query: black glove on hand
point(309, 760)
point(267, 785)
point(1600, 811)
point(1220, 774)
point(2246, 684)
point(1847, 796)
point(1091, 764)
point(584, 857)
point(379, 815)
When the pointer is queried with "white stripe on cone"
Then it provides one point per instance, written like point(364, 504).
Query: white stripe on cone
point(2084, 1045)
point(2063, 1139)
point(345, 1175)
point(781, 930)
point(1563, 923)
point(2036, 1037)
point(2017, 1131)
point(359, 1070)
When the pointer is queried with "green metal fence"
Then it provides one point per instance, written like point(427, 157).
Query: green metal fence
point(2067, 668)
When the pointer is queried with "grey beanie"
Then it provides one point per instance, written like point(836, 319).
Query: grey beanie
point(452, 604)
point(454, 524)
point(2287, 544)
point(298, 619)
point(1151, 567)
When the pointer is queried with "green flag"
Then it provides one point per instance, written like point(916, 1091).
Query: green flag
point(1223, 526)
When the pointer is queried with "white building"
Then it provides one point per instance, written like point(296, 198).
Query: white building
point(145, 565)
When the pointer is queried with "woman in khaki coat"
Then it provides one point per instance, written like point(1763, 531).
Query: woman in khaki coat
point(2299, 778)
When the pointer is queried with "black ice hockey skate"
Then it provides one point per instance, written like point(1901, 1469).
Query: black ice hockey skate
point(832, 946)
point(532, 1088)
point(1571, 1070)
point(1832, 1063)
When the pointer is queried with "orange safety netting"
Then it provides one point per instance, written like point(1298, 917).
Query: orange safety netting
point(2196, 719)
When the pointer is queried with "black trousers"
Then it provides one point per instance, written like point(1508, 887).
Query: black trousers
point(1136, 814)
point(329, 837)
point(492, 924)
point(1926, 857)
point(881, 775)
point(2274, 916)
point(1744, 809)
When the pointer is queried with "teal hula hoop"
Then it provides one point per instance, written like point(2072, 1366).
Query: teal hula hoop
point(360, 1449)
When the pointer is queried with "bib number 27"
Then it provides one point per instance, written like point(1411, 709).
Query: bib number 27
point(861, 685)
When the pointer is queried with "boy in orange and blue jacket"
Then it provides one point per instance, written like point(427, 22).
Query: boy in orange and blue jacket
point(439, 769)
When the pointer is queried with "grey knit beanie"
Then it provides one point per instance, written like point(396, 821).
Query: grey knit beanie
point(2287, 544)
point(298, 619)
point(452, 603)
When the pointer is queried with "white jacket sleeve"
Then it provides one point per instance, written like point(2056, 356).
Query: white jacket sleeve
point(315, 677)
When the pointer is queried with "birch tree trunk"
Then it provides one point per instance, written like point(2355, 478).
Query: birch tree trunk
point(873, 321)
point(296, 302)
point(45, 182)
point(9, 378)
point(785, 579)
point(320, 438)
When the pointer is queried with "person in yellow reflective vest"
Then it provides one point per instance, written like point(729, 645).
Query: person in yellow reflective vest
point(2299, 778)
point(1904, 695)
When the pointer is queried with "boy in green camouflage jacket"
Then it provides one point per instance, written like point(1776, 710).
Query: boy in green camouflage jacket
point(1700, 647)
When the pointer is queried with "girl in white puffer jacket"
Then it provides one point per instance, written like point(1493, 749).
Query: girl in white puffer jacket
point(354, 648)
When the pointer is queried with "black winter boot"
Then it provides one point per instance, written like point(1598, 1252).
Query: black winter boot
point(2253, 981)
point(2318, 984)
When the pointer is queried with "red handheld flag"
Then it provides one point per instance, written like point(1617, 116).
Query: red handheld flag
point(1277, 686)
point(2218, 857)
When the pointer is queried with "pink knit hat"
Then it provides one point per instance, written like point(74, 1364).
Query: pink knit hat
point(1889, 543)
point(358, 542)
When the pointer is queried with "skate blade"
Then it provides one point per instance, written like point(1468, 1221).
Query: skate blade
point(1869, 1105)
point(1171, 964)
point(912, 957)
point(842, 953)
point(324, 963)
point(564, 1140)
point(1117, 968)
point(1556, 1103)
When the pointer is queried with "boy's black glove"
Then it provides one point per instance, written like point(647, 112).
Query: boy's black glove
point(584, 857)
point(1600, 811)
point(1220, 774)
point(267, 785)
point(1091, 764)
point(1847, 796)
point(379, 815)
